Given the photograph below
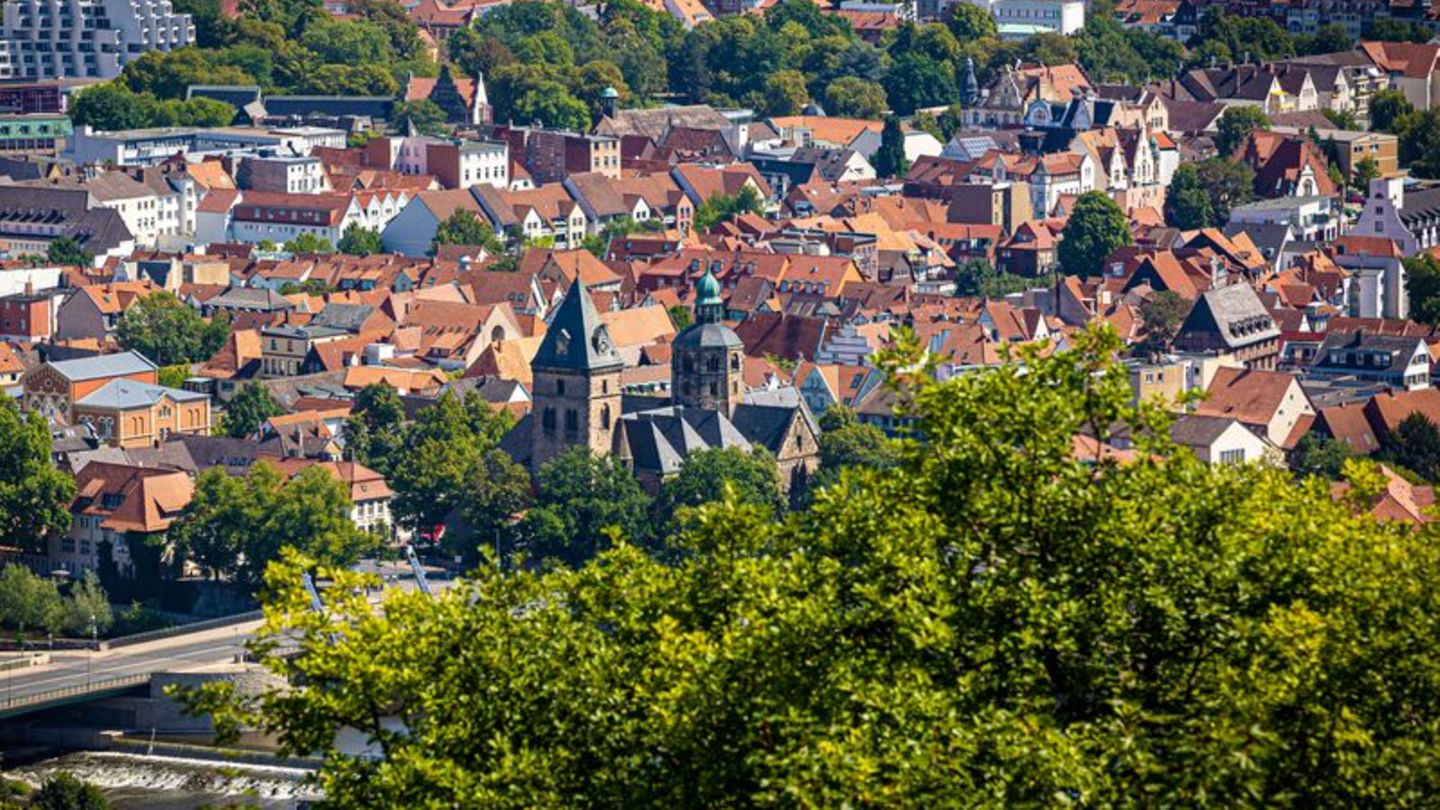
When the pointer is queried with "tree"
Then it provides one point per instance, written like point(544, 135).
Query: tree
point(499, 493)
point(87, 609)
point(29, 602)
point(580, 498)
point(1365, 171)
point(1201, 194)
point(34, 496)
point(994, 617)
point(236, 527)
point(1330, 38)
point(65, 792)
point(375, 429)
point(1322, 457)
point(438, 465)
point(465, 227)
point(1387, 109)
point(1097, 228)
point(248, 410)
point(854, 97)
point(848, 443)
point(969, 22)
point(1161, 315)
point(1415, 446)
point(917, 81)
point(890, 160)
point(785, 93)
point(425, 115)
point(751, 476)
point(66, 251)
point(980, 278)
point(169, 332)
point(358, 241)
point(722, 207)
point(1422, 284)
point(1235, 125)
point(1419, 135)
point(309, 243)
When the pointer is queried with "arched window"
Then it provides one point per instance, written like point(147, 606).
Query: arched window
point(712, 364)
point(735, 361)
point(560, 387)
point(547, 421)
point(497, 334)
point(572, 421)
point(605, 417)
point(714, 390)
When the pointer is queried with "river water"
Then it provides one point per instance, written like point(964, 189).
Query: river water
point(133, 782)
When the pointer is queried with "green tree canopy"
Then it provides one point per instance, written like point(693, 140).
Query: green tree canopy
point(1161, 315)
point(704, 476)
point(890, 159)
point(580, 499)
point(235, 527)
point(465, 227)
point(995, 618)
point(1097, 227)
point(248, 410)
point(64, 250)
point(854, 97)
point(29, 602)
point(34, 496)
point(65, 792)
point(358, 241)
point(170, 332)
point(1422, 284)
point(917, 81)
point(309, 243)
point(1235, 125)
point(1415, 446)
point(375, 429)
point(440, 458)
point(969, 22)
point(1387, 108)
point(425, 115)
point(1201, 194)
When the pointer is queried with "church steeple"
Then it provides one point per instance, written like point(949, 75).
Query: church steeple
point(709, 308)
point(707, 359)
point(970, 86)
point(576, 382)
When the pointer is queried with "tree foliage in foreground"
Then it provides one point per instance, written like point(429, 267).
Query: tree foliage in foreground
point(992, 622)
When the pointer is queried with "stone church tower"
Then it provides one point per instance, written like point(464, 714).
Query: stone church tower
point(707, 358)
point(576, 396)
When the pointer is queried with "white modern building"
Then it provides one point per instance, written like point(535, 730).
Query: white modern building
point(1312, 219)
point(51, 39)
point(1021, 19)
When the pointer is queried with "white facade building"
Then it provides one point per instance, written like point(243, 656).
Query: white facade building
point(1021, 19)
point(50, 39)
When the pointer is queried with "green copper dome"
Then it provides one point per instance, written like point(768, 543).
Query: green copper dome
point(707, 290)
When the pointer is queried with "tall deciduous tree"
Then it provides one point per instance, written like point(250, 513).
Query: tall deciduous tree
point(1097, 227)
point(753, 477)
point(890, 160)
point(170, 332)
point(1422, 284)
point(994, 618)
point(1415, 445)
point(34, 496)
point(854, 97)
point(248, 410)
point(1387, 108)
point(1235, 125)
point(581, 498)
point(1161, 315)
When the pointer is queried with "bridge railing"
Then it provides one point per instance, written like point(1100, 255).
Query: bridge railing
point(181, 629)
point(88, 688)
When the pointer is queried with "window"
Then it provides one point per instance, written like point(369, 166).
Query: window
point(572, 421)
point(547, 420)
point(605, 417)
point(1232, 456)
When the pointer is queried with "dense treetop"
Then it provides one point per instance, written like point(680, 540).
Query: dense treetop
point(988, 619)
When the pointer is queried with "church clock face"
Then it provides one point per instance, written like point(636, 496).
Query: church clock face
point(601, 340)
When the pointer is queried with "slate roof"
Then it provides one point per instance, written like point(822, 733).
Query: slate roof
point(577, 339)
point(105, 365)
point(1237, 313)
point(127, 394)
point(1199, 430)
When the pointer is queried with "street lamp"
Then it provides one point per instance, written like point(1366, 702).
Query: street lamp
point(90, 653)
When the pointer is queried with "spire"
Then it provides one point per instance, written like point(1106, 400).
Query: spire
point(970, 86)
point(577, 339)
point(709, 308)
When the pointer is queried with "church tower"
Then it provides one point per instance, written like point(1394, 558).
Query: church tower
point(576, 372)
point(707, 358)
